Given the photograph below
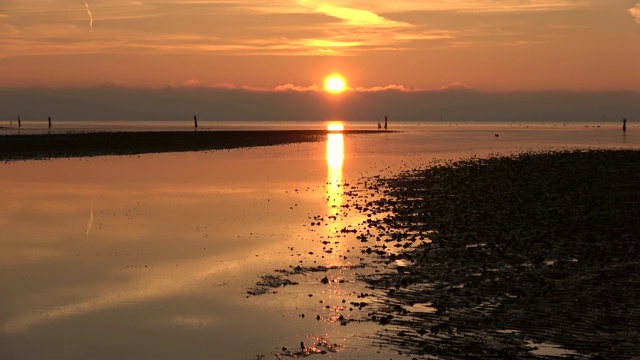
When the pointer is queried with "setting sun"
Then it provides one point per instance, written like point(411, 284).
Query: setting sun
point(335, 126)
point(335, 84)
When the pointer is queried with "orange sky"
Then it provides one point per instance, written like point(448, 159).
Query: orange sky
point(487, 45)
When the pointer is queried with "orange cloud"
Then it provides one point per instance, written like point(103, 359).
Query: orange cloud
point(278, 88)
point(354, 16)
point(317, 88)
point(455, 86)
point(192, 83)
point(291, 87)
point(385, 88)
point(478, 5)
point(635, 12)
point(225, 86)
point(337, 27)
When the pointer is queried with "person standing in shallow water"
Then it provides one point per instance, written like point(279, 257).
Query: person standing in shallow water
point(624, 125)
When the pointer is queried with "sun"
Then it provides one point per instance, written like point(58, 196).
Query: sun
point(335, 126)
point(335, 84)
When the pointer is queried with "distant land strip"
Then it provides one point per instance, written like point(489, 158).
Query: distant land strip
point(85, 144)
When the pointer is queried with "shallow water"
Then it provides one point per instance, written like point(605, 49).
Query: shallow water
point(151, 256)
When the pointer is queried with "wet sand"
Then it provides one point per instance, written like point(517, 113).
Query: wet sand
point(510, 257)
point(83, 144)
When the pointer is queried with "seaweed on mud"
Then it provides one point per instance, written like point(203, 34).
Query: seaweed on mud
point(320, 268)
point(268, 283)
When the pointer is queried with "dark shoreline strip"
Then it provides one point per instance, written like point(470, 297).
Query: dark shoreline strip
point(46, 146)
point(536, 247)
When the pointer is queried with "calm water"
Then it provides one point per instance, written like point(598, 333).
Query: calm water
point(151, 256)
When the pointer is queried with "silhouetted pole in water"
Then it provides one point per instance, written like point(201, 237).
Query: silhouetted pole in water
point(624, 125)
point(195, 121)
point(49, 121)
point(19, 122)
point(385, 122)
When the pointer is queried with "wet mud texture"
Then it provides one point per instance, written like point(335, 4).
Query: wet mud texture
point(525, 251)
point(82, 144)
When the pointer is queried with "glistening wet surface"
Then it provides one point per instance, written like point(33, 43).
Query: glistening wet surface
point(152, 256)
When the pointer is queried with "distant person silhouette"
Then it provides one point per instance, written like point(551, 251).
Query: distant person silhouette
point(195, 121)
point(624, 125)
point(49, 121)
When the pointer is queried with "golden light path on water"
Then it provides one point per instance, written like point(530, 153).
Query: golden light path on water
point(335, 161)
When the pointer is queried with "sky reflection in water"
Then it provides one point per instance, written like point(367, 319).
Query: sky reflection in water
point(152, 255)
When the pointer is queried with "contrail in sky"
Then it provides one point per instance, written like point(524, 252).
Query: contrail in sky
point(90, 16)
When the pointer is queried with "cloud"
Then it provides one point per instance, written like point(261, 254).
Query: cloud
point(635, 12)
point(226, 86)
point(407, 89)
point(355, 28)
point(299, 88)
point(329, 43)
point(256, 27)
point(353, 16)
point(194, 83)
point(385, 88)
point(278, 88)
point(285, 27)
point(455, 86)
point(496, 6)
point(432, 5)
point(291, 87)
point(402, 6)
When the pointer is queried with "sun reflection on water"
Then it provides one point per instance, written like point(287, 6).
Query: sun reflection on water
point(335, 159)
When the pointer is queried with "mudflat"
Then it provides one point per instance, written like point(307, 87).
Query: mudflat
point(82, 144)
point(521, 256)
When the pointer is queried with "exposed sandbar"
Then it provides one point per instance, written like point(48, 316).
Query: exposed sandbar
point(80, 144)
point(526, 252)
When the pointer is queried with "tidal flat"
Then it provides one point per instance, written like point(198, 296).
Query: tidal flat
point(160, 255)
point(64, 144)
point(530, 254)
